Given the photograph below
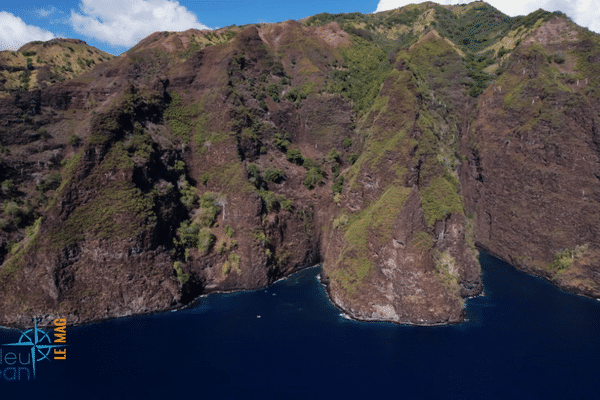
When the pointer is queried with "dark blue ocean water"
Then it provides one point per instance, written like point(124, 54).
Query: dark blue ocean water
point(524, 339)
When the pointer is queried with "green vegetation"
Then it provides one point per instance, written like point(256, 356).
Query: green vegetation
point(287, 204)
point(118, 211)
point(70, 165)
point(181, 276)
point(375, 221)
point(208, 210)
point(440, 199)
point(273, 91)
point(337, 198)
point(140, 144)
point(447, 273)
point(347, 143)
point(475, 65)
point(340, 221)
point(406, 131)
point(272, 201)
point(74, 140)
point(260, 237)
point(232, 176)
point(324, 18)
point(226, 268)
point(17, 214)
point(333, 157)
point(280, 142)
point(12, 208)
point(9, 188)
point(295, 95)
point(586, 66)
point(521, 89)
point(404, 16)
point(474, 29)
point(52, 57)
point(366, 69)
point(422, 240)
point(19, 250)
point(205, 240)
point(25, 79)
point(233, 262)
point(204, 178)
point(563, 260)
point(352, 158)
point(389, 132)
point(179, 117)
point(197, 233)
point(294, 156)
point(379, 217)
point(502, 51)
point(50, 182)
point(309, 163)
point(189, 195)
point(254, 176)
point(274, 175)
point(314, 176)
point(559, 58)
point(530, 20)
point(338, 185)
point(116, 159)
point(179, 166)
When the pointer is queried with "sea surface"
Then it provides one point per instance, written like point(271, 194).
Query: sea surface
point(524, 339)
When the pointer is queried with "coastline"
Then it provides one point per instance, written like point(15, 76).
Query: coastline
point(344, 313)
point(158, 311)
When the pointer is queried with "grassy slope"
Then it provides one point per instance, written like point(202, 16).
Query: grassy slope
point(38, 63)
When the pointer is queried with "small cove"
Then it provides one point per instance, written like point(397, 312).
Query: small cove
point(523, 338)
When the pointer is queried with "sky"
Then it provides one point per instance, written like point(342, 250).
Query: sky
point(117, 25)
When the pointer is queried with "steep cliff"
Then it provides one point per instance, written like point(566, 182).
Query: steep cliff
point(533, 159)
point(400, 249)
point(385, 146)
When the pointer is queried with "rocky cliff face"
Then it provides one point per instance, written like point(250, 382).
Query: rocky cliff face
point(533, 159)
point(385, 146)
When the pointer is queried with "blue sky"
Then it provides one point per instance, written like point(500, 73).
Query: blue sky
point(117, 25)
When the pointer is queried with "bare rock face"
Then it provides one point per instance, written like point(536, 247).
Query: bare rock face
point(534, 163)
point(405, 286)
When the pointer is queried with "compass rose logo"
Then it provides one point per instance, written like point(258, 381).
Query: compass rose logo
point(40, 342)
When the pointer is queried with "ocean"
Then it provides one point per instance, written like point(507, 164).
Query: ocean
point(523, 339)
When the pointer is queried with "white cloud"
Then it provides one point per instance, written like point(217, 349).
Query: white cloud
point(583, 12)
point(44, 12)
point(126, 22)
point(53, 15)
point(14, 33)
